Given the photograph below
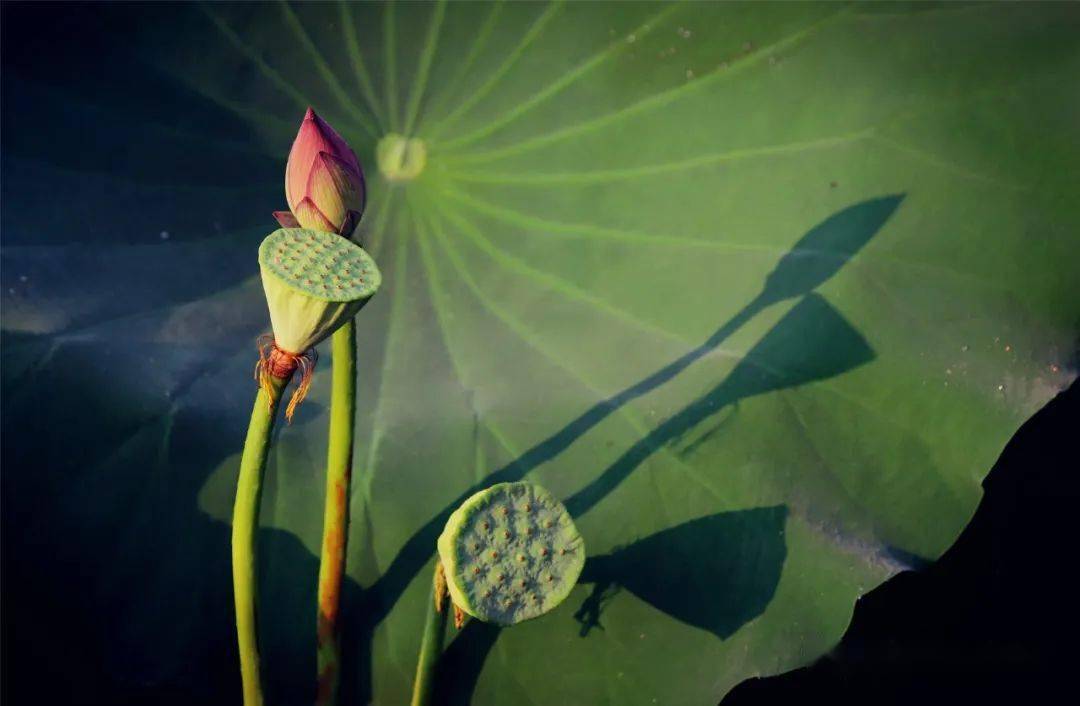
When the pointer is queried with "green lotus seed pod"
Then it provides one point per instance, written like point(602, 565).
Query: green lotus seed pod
point(314, 282)
point(511, 552)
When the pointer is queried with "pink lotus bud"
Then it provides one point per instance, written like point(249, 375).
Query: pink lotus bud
point(323, 181)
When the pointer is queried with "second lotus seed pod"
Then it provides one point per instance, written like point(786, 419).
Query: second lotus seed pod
point(511, 553)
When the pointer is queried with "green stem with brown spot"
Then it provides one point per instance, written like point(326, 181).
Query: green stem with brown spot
point(245, 526)
point(431, 643)
point(336, 514)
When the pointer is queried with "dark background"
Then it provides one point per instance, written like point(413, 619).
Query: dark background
point(995, 618)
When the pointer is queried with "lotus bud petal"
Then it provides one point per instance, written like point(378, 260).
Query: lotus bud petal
point(286, 219)
point(322, 169)
point(334, 189)
point(352, 219)
point(310, 217)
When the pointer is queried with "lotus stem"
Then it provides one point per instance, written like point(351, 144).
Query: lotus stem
point(336, 514)
point(432, 642)
point(245, 530)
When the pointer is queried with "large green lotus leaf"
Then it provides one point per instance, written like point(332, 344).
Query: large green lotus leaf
point(760, 291)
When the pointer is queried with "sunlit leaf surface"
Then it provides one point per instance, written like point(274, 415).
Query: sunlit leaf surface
point(759, 290)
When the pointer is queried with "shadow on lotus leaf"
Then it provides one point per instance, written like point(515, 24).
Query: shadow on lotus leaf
point(811, 342)
point(715, 573)
point(812, 261)
point(745, 549)
point(825, 248)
